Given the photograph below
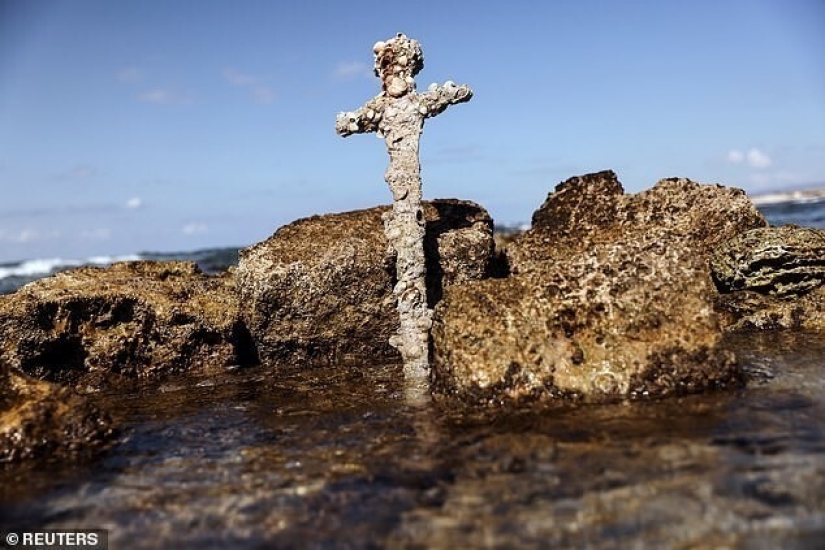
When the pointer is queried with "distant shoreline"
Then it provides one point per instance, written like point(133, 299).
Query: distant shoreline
point(807, 195)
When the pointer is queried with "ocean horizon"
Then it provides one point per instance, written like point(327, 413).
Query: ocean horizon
point(808, 211)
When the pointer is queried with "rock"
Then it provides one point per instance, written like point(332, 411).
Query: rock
point(133, 319)
point(610, 297)
point(39, 419)
point(321, 288)
point(593, 208)
point(778, 261)
point(582, 205)
point(747, 310)
point(772, 278)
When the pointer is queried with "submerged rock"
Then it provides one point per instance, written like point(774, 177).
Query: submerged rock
point(39, 419)
point(133, 319)
point(610, 296)
point(321, 288)
point(772, 278)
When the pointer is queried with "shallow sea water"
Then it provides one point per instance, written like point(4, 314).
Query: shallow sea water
point(332, 458)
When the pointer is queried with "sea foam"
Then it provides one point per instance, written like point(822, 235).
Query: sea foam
point(45, 266)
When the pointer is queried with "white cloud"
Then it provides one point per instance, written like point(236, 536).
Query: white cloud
point(348, 70)
point(754, 157)
point(163, 96)
point(129, 75)
point(82, 172)
point(195, 228)
point(257, 86)
point(238, 78)
point(27, 236)
point(758, 159)
point(134, 203)
point(263, 94)
point(735, 156)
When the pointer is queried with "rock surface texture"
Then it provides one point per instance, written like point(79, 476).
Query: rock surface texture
point(397, 114)
point(610, 296)
point(320, 290)
point(39, 419)
point(134, 319)
point(771, 278)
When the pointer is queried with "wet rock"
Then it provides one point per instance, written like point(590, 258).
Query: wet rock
point(610, 296)
point(746, 310)
point(772, 278)
point(321, 288)
point(133, 319)
point(39, 419)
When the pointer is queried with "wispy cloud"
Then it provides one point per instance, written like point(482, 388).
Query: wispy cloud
point(129, 75)
point(134, 203)
point(735, 156)
point(758, 159)
point(164, 96)
point(155, 94)
point(257, 87)
point(238, 78)
point(350, 70)
point(195, 228)
point(79, 173)
point(263, 94)
point(754, 157)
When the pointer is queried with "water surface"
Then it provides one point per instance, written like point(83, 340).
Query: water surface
point(329, 458)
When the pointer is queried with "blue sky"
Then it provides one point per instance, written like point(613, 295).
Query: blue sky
point(176, 125)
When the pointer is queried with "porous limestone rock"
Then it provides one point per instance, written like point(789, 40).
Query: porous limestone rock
point(772, 278)
point(133, 319)
point(779, 261)
point(397, 114)
point(39, 419)
point(593, 208)
point(320, 290)
point(610, 296)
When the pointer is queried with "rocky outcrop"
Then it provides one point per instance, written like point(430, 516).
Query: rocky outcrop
point(133, 319)
point(610, 296)
point(39, 419)
point(592, 209)
point(321, 289)
point(772, 278)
